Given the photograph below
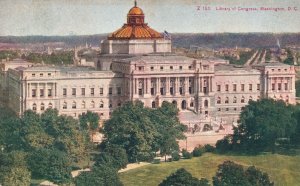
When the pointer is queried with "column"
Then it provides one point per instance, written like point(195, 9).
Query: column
point(148, 85)
point(157, 86)
point(210, 84)
point(37, 90)
point(186, 89)
point(175, 86)
point(201, 84)
point(167, 85)
point(29, 90)
point(144, 86)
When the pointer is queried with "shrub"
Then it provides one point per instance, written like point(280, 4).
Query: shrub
point(156, 161)
point(197, 152)
point(175, 156)
point(209, 148)
point(186, 154)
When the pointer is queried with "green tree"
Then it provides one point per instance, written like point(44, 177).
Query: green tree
point(257, 178)
point(113, 156)
point(13, 169)
point(130, 128)
point(89, 121)
point(99, 176)
point(183, 178)
point(53, 165)
point(261, 123)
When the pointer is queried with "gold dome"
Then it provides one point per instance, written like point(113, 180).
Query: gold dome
point(135, 11)
point(135, 28)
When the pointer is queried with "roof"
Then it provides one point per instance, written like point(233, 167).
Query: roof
point(272, 64)
point(230, 68)
point(158, 58)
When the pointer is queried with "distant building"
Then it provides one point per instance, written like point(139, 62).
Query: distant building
point(136, 63)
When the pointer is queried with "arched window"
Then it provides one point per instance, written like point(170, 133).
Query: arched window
point(42, 106)
point(234, 99)
point(218, 100)
point(250, 98)
point(34, 107)
point(83, 104)
point(153, 104)
point(287, 99)
point(50, 105)
point(101, 104)
point(92, 104)
point(243, 100)
point(192, 104)
point(65, 106)
point(74, 105)
point(206, 103)
point(110, 105)
point(226, 100)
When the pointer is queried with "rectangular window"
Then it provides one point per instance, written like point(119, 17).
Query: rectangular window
point(110, 91)
point(101, 91)
point(161, 68)
point(33, 93)
point(219, 88)
point(190, 67)
point(82, 91)
point(180, 67)
point(64, 92)
point(92, 91)
point(258, 87)
point(49, 74)
point(42, 93)
point(73, 91)
point(273, 86)
point(152, 68)
point(279, 86)
point(119, 91)
point(234, 87)
point(152, 91)
point(242, 87)
point(171, 67)
point(33, 75)
point(41, 74)
point(285, 86)
point(226, 88)
point(250, 87)
point(49, 92)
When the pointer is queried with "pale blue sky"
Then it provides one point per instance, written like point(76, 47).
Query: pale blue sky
point(80, 17)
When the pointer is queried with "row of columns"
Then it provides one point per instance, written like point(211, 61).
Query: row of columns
point(274, 81)
point(38, 86)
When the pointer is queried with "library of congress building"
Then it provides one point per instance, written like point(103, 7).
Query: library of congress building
point(136, 63)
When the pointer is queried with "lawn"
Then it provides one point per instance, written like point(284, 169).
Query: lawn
point(282, 169)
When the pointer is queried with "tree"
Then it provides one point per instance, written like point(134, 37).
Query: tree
point(231, 174)
point(262, 123)
point(113, 156)
point(13, 169)
point(99, 176)
point(183, 178)
point(89, 121)
point(53, 165)
point(130, 128)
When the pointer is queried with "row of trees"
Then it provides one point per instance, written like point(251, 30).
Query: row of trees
point(228, 173)
point(62, 58)
point(263, 126)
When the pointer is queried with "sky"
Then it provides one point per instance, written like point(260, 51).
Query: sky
point(86, 17)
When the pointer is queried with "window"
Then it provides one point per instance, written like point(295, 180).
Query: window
point(83, 104)
point(279, 86)
point(273, 86)
point(258, 87)
point(49, 74)
point(227, 109)
point(250, 87)
point(34, 107)
point(42, 93)
point(218, 88)
point(110, 91)
point(65, 106)
point(243, 100)
point(285, 86)
point(192, 104)
point(92, 104)
point(74, 105)
point(234, 87)
point(234, 109)
point(140, 68)
point(250, 98)
point(119, 90)
point(41, 74)
point(101, 104)
point(119, 104)
point(219, 109)
point(42, 106)
point(152, 91)
point(101, 91)
point(33, 93)
point(82, 91)
point(92, 91)
point(152, 68)
point(219, 100)
point(206, 103)
point(234, 100)
point(140, 91)
point(161, 68)
point(73, 91)
point(190, 67)
point(153, 104)
point(49, 92)
point(226, 100)
point(33, 75)
point(50, 106)
point(180, 67)
point(110, 105)
point(226, 88)
point(64, 92)
point(171, 67)
point(242, 87)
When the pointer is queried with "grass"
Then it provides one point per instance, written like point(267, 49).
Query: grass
point(282, 169)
